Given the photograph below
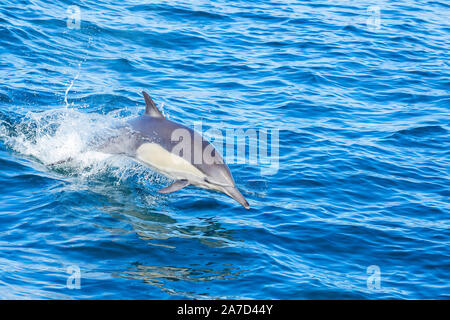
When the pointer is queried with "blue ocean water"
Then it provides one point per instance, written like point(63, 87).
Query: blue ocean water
point(359, 205)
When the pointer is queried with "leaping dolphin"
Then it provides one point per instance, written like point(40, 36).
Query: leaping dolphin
point(176, 151)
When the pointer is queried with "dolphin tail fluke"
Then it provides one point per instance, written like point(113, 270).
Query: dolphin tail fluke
point(177, 185)
point(234, 193)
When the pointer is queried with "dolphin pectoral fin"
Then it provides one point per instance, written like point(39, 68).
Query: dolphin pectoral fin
point(177, 185)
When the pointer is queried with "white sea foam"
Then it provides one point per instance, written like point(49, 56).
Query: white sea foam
point(67, 138)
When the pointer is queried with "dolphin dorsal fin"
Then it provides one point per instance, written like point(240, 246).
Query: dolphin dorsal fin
point(150, 107)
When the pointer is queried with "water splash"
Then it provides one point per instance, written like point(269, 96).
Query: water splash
point(71, 84)
point(67, 139)
point(77, 75)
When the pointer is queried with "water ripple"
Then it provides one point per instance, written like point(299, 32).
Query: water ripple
point(363, 174)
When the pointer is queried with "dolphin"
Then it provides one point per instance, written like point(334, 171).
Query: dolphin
point(176, 151)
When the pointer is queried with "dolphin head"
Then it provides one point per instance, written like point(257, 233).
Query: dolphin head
point(219, 177)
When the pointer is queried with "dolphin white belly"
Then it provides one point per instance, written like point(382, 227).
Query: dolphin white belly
point(168, 163)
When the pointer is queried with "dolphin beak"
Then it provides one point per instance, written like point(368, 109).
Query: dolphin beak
point(234, 193)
